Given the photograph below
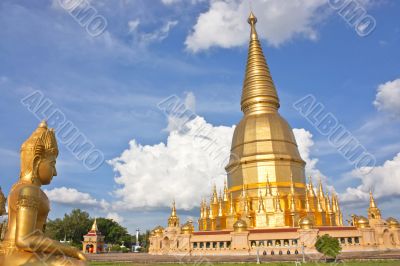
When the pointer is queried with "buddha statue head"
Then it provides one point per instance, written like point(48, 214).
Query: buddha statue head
point(38, 156)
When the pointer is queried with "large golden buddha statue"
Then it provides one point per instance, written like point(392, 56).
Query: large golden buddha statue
point(28, 207)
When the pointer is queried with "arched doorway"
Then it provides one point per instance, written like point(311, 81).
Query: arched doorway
point(165, 245)
point(89, 248)
point(388, 239)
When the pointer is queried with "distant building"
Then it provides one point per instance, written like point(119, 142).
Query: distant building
point(93, 241)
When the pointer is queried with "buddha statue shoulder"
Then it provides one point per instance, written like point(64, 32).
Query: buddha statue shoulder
point(28, 208)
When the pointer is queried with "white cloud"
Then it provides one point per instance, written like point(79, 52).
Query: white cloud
point(143, 39)
point(224, 24)
point(116, 217)
point(73, 197)
point(185, 167)
point(388, 97)
point(170, 2)
point(173, 2)
point(383, 180)
point(133, 25)
point(305, 143)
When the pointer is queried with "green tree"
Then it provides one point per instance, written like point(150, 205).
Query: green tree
point(329, 246)
point(114, 233)
point(75, 225)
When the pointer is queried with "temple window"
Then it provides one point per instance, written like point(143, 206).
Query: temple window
point(228, 244)
point(201, 245)
point(342, 241)
point(280, 252)
point(357, 240)
point(195, 245)
point(350, 240)
point(288, 252)
point(214, 244)
point(208, 245)
point(294, 242)
point(269, 243)
point(221, 244)
point(286, 242)
point(296, 252)
point(277, 243)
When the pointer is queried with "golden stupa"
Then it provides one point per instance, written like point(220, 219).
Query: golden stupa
point(266, 205)
point(266, 179)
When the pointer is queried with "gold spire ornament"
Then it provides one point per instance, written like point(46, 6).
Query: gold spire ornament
point(374, 213)
point(259, 92)
point(28, 207)
point(173, 220)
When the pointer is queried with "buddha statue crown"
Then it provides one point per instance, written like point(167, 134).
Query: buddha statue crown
point(41, 144)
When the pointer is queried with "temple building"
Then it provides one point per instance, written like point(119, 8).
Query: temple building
point(93, 241)
point(266, 202)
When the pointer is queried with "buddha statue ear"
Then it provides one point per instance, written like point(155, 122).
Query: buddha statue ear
point(35, 168)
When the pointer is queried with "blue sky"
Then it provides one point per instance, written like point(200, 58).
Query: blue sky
point(109, 87)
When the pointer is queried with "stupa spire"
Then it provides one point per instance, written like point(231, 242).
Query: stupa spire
point(372, 203)
point(173, 209)
point(259, 93)
point(94, 226)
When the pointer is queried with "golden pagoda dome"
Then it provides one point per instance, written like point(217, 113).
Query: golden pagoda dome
point(158, 231)
point(187, 228)
point(240, 226)
point(306, 223)
point(362, 222)
point(393, 223)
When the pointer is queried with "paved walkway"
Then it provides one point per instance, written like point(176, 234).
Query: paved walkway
point(146, 258)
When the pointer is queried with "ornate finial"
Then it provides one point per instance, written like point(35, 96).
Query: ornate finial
point(328, 203)
point(214, 197)
point(226, 196)
point(278, 207)
point(372, 203)
point(43, 124)
point(252, 20)
point(94, 226)
point(319, 205)
point(308, 207)
point(268, 188)
point(173, 209)
point(320, 189)
point(261, 207)
point(259, 93)
point(220, 208)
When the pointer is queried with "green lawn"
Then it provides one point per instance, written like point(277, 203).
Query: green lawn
point(347, 263)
